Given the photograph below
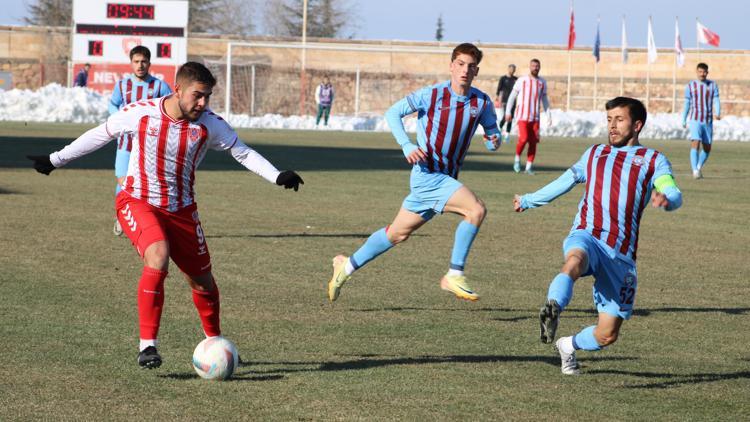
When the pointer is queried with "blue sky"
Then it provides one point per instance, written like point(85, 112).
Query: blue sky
point(533, 22)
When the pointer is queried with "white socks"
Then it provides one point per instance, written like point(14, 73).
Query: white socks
point(566, 345)
point(451, 271)
point(528, 165)
point(348, 268)
point(146, 343)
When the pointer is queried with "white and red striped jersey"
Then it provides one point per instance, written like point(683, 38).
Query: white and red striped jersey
point(166, 152)
point(529, 93)
point(701, 101)
point(618, 188)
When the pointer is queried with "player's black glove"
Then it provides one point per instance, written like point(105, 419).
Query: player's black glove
point(289, 179)
point(42, 164)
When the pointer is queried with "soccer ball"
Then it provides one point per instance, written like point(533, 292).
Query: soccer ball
point(215, 358)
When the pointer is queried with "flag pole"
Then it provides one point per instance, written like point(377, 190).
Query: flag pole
point(570, 59)
point(648, 70)
point(674, 67)
point(570, 69)
point(302, 76)
point(648, 83)
point(622, 60)
point(674, 82)
point(596, 66)
point(697, 42)
point(596, 81)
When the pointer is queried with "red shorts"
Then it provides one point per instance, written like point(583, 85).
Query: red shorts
point(145, 224)
point(528, 131)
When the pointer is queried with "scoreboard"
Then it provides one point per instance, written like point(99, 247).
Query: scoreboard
point(105, 31)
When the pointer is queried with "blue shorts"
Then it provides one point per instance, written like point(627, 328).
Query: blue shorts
point(429, 192)
point(615, 280)
point(703, 132)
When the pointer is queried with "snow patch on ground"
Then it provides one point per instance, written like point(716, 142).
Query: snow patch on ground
point(54, 103)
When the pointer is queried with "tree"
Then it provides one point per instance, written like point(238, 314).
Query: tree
point(233, 17)
point(325, 18)
point(49, 13)
point(201, 15)
point(439, 32)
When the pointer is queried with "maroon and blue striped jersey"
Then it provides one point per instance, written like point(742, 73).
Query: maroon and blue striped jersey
point(447, 122)
point(701, 101)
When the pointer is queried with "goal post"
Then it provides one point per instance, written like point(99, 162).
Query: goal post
point(268, 77)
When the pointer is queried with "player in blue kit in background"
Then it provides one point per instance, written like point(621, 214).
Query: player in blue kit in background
point(619, 178)
point(449, 114)
point(138, 86)
point(701, 103)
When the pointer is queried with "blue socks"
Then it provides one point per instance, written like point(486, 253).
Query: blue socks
point(561, 290)
point(702, 157)
point(465, 234)
point(585, 340)
point(378, 243)
point(694, 158)
point(375, 245)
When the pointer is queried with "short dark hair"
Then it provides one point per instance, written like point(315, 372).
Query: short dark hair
point(142, 50)
point(87, 64)
point(535, 60)
point(195, 72)
point(703, 66)
point(467, 48)
point(635, 107)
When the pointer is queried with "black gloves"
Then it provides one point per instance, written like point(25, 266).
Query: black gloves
point(289, 179)
point(42, 163)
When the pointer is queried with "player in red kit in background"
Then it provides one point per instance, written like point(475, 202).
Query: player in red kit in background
point(156, 206)
point(531, 93)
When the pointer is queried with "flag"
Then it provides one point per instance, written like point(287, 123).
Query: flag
point(597, 43)
point(678, 45)
point(624, 42)
point(652, 55)
point(572, 29)
point(705, 35)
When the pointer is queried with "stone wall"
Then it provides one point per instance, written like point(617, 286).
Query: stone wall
point(390, 70)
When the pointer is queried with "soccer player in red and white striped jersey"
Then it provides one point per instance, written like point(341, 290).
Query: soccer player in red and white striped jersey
point(620, 178)
point(530, 93)
point(156, 207)
point(138, 86)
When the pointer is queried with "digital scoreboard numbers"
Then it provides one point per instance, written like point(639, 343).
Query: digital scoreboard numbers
point(130, 11)
point(96, 48)
point(104, 32)
point(164, 50)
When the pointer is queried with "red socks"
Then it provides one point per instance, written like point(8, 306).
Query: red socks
point(150, 301)
point(531, 153)
point(207, 304)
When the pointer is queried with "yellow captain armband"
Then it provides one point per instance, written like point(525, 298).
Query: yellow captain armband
point(665, 181)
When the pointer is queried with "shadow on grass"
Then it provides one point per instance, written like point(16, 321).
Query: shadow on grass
point(431, 309)
point(675, 380)
point(184, 376)
point(4, 191)
point(571, 313)
point(379, 361)
point(728, 311)
point(290, 235)
point(302, 158)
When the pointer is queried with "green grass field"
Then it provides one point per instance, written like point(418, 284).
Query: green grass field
point(394, 347)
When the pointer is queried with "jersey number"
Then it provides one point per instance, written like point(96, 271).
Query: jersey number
point(626, 295)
